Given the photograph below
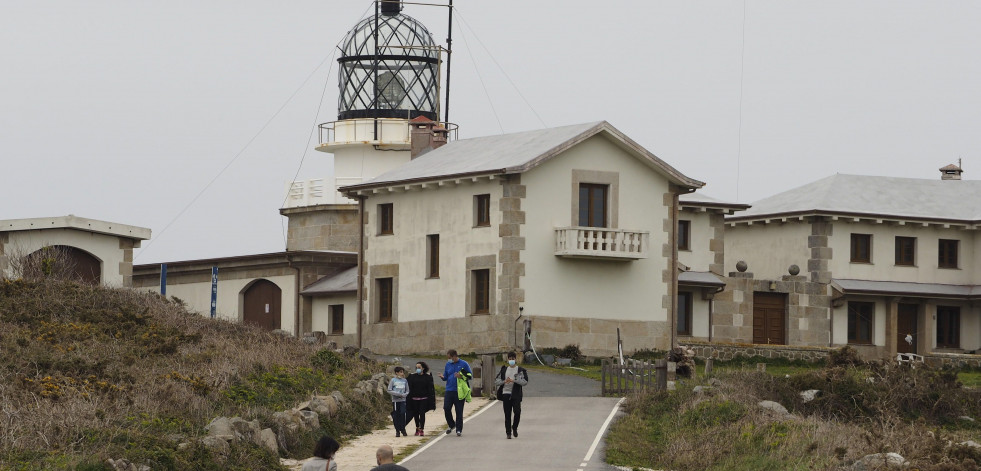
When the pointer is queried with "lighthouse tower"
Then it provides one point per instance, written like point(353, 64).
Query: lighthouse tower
point(389, 83)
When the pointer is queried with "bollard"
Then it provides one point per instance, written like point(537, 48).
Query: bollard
point(661, 374)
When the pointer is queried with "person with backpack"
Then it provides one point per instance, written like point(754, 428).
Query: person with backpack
point(510, 381)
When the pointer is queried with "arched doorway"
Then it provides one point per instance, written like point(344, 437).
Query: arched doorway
point(261, 304)
point(64, 262)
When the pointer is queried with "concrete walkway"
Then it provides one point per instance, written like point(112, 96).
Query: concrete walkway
point(556, 433)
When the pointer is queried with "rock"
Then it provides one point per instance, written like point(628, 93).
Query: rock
point(548, 359)
point(564, 361)
point(714, 382)
point(221, 427)
point(310, 340)
point(266, 438)
point(310, 419)
point(245, 428)
point(217, 445)
point(966, 418)
point(809, 395)
point(125, 465)
point(880, 461)
point(339, 398)
point(970, 443)
point(325, 406)
point(282, 333)
point(774, 406)
point(379, 377)
point(287, 421)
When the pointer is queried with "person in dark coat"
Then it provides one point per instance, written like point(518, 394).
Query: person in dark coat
point(422, 396)
point(510, 381)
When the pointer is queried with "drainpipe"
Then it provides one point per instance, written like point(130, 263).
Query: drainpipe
point(297, 330)
point(361, 269)
point(712, 309)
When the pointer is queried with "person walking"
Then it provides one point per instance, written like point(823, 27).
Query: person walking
point(323, 456)
point(422, 399)
point(385, 458)
point(510, 381)
point(455, 369)
point(398, 388)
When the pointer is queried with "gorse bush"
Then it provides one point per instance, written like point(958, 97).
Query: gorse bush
point(89, 373)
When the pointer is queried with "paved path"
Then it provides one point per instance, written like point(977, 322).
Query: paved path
point(557, 433)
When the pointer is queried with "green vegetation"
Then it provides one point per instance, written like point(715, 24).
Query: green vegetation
point(862, 409)
point(90, 373)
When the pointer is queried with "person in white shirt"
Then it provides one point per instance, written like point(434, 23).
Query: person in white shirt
point(510, 381)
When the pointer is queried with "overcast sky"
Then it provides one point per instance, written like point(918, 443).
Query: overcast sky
point(126, 110)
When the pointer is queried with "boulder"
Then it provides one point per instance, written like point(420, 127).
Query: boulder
point(266, 438)
point(221, 427)
point(288, 421)
point(325, 406)
point(970, 443)
point(310, 419)
point(244, 428)
point(714, 382)
point(774, 406)
point(880, 461)
point(125, 465)
point(809, 395)
point(339, 398)
point(217, 445)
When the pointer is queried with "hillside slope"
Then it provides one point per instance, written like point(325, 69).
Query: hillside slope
point(90, 373)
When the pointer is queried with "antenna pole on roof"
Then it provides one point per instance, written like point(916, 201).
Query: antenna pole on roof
point(449, 56)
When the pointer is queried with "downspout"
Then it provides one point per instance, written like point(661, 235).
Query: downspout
point(712, 310)
point(361, 268)
point(297, 330)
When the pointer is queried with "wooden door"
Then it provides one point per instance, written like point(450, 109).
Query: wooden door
point(769, 314)
point(262, 305)
point(906, 325)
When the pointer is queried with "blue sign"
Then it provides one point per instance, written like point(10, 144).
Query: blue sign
point(163, 279)
point(214, 291)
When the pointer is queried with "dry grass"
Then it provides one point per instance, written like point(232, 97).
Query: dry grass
point(910, 412)
point(89, 373)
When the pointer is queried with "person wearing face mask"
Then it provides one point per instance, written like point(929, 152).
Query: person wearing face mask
point(509, 381)
point(422, 399)
point(455, 369)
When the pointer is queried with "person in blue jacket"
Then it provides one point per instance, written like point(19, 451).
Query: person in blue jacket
point(455, 368)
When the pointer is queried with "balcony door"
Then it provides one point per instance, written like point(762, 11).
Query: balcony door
point(593, 207)
point(906, 325)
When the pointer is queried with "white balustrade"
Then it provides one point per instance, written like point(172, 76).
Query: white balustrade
point(600, 242)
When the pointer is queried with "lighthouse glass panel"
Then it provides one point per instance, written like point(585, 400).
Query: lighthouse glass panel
point(396, 79)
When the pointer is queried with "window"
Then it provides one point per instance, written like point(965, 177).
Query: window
point(947, 253)
point(384, 286)
point(861, 248)
point(948, 327)
point(592, 204)
point(385, 219)
point(684, 313)
point(860, 315)
point(481, 291)
point(684, 235)
point(336, 319)
point(481, 210)
point(432, 249)
point(905, 251)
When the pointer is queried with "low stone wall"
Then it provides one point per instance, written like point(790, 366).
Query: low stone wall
point(598, 337)
point(724, 351)
point(952, 360)
point(481, 334)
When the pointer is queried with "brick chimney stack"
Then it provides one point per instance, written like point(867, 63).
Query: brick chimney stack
point(949, 172)
point(426, 135)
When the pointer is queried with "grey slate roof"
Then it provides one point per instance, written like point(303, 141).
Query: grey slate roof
point(699, 278)
point(903, 198)
point(700, 199)
point(935, 290)
point(342, 282)
point(510, 153)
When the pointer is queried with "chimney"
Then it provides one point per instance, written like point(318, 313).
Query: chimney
point(951, 172)
point(426, 135)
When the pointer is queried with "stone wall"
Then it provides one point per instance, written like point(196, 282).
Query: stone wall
point(598, 337)
point(478, 333)
point(952, 360)
point(723, 351)
point(322, 227)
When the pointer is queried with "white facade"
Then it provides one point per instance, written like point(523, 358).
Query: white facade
point(230, 298)
point(768, 249)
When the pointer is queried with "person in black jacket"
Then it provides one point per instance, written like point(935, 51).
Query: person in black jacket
point(510, 381)
point(422, 396)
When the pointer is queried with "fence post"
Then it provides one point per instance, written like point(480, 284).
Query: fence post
point(708, 367)
point(661, 367)
point(603, 375)
point(487, 374)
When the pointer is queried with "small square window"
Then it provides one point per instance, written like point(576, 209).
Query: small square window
point(684, 235)
point(905, 251)
point(861, 248)
point(947, 256)
point(481, 210)
point(386, 219)
point(337, 319)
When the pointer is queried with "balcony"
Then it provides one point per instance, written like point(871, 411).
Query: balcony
point(601, 243)
point(389, 133)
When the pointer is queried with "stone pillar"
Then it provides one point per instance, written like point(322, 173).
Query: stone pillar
point(817, 265)
point(717, 244)
point(892, 319)
point(511, 294)
point(928, 334)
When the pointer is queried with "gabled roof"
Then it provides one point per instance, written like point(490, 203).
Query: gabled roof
point(512, 153)
point(342, 282)
point(875, 197)
point(72, 221)
point(701, 200)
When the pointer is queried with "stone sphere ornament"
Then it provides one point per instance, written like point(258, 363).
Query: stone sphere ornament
point(793, 270)
point(741, 266)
